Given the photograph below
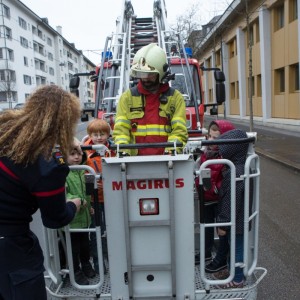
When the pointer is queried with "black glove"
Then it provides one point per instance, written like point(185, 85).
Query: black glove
point(123, 154)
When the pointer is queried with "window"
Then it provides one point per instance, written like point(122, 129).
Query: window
point(293, 10)
point(49, 42)
point(232, 90)
point(2, 75)
point(38, 48)
point(7, 75)
point(39, 65)
point(22, 23)
point(27, 79)
point(75, 59)
point(258, 84)
point(294, 78)
point(10, 54)
point(51, 71)
point(279, 81)
point(40, 34)
point(40, 80)
point(1, 53)
point(25, 61)
point(279, 17)
point(70, 66)
point(11, 75)
point(12, 96)
point(6, 11)
point(27, 96)
point(257, 32)
point(232, 48)
point(50, 56)
point(6, 32)
point(218, 58)
point(34, 30)
point(24, 42)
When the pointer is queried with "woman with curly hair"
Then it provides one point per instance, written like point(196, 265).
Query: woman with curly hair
point(33, 144)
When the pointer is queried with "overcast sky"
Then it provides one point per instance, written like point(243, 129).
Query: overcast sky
point(87, 23)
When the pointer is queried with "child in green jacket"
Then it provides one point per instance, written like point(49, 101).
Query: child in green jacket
point(75, 187)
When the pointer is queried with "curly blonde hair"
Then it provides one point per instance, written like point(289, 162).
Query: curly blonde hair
point(48, 118)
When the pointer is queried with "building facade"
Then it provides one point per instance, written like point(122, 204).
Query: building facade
point(257, 45)
point(32, 53)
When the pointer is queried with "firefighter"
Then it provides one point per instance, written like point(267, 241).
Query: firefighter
point(152, 111)
point(33, 176)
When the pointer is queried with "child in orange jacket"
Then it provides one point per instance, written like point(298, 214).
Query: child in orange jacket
point(98, 134)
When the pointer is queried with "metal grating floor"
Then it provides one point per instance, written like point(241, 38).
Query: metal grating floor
point(67, 291)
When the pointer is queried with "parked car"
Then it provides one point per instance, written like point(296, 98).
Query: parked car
point(19, 105)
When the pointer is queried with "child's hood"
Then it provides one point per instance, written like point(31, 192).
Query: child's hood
point(223, 125)
point(236, 153)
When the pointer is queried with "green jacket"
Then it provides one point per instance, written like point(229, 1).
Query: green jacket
point(75, 187)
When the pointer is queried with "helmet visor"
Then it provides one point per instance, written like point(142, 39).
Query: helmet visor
point(144, 75)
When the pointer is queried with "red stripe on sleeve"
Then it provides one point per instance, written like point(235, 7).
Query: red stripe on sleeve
point(8, 171)
point(49, 193)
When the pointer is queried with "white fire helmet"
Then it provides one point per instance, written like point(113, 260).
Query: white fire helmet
point(149, 60)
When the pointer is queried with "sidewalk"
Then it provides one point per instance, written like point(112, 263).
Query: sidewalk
point(279, 145)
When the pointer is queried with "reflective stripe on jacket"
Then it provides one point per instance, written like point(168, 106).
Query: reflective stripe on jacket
point(150, 118)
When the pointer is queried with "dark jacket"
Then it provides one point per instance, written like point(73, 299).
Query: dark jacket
point(216, 170)
point(24, 189)
point(236, 153)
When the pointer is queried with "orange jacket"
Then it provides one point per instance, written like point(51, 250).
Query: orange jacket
point(94, 161)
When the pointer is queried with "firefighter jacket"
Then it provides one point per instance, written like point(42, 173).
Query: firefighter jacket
point(143, 117)
point(24, 189)
point(94, 161)
point(75, 188)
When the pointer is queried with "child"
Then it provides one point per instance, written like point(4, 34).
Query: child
point(99, 132)
point(211, 196)
point(75, 188)
point(236, 153)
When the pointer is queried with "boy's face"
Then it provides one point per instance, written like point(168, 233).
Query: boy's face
point(212, 135)
point(74, 158)
point(99, 138)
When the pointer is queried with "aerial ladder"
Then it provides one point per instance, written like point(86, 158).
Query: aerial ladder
point(132, 33)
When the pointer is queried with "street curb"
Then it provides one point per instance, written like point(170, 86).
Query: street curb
point(292, 165)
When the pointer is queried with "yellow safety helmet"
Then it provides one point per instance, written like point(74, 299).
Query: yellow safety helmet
point(149, 60)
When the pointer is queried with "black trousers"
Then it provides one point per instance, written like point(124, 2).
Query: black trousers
point(21, 268)
point(80, 249)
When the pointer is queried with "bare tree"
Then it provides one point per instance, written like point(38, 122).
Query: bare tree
point(188, 22)
point(7, 85)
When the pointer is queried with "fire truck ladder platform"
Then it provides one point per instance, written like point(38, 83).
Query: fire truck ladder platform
point(249, 291)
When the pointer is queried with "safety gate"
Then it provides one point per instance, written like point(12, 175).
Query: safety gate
point(150, 224)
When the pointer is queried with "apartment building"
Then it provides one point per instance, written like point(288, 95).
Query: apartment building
point(32, 53)
point(257, 44)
